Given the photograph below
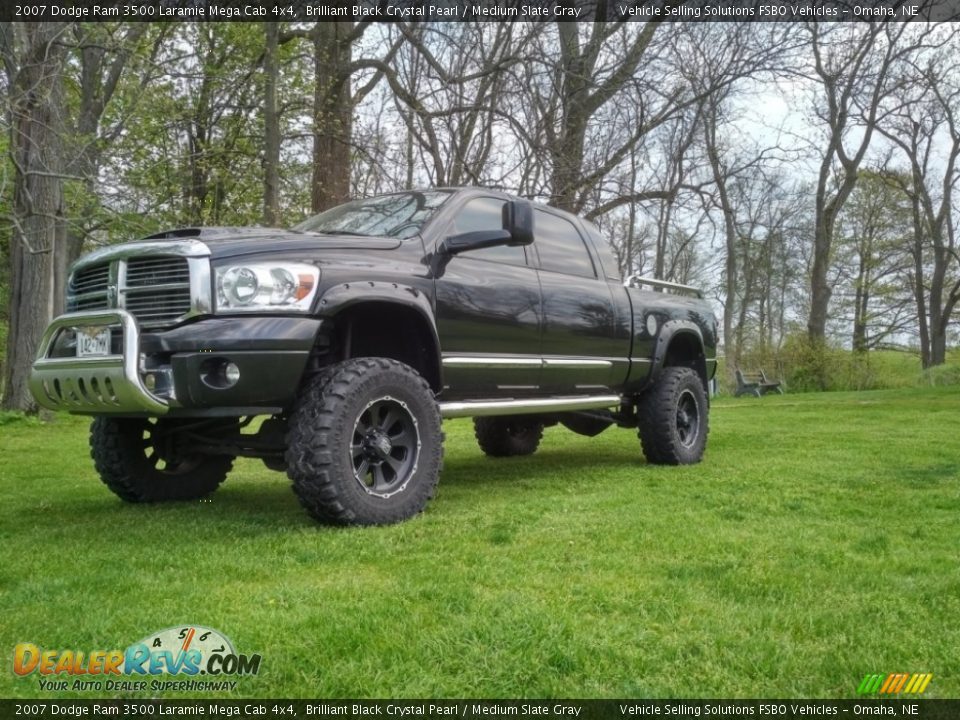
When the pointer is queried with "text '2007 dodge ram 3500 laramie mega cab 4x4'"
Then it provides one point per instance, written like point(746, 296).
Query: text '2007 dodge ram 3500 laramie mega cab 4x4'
point(355, 333)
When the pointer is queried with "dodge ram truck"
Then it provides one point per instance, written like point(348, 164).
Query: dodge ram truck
point(332, 351)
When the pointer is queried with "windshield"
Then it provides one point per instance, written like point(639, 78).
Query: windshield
point(398, 216)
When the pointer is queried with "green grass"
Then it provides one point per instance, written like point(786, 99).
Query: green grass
point(817, 542)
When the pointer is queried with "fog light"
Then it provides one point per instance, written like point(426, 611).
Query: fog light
point(150, 381)
point(231, 373)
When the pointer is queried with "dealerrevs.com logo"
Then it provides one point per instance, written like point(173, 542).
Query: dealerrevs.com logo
point(185, 652)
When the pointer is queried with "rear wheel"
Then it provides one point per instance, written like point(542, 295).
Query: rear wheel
point(508, 436)
point(673, 418)
point(149, 460)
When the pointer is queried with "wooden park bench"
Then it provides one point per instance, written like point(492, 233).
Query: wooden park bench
point(756, 384)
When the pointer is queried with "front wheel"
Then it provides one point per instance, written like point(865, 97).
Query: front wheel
point(673, 417)
point(149, 461)
point(365, 443)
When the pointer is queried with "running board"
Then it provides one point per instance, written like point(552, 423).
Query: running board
point(478, 408)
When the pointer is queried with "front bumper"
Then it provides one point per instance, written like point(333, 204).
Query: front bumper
point(94, 385)
point(174, 372)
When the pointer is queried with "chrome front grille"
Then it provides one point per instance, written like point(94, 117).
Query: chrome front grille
point(158, 307)
point(89, 302)
point(91, 279)
point(152, 271)
point(156, 290)
point(89, 288)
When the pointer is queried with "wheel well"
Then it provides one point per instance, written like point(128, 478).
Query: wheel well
point(686, 350)
point(390, 330)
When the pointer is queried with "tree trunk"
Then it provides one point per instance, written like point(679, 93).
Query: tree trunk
point(730, 236)
point(860, 302)
point(271, 127)
point(938, 320)
point(938, 346)
point(567, 161)
point(919, 291)
point(628, 268)
point(332, 115)
point(820, 291)
point(38, 224)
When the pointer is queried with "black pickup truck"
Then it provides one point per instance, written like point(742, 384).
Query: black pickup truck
point(353, 334)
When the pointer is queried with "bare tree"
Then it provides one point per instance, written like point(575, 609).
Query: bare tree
point(853, 66)
point(453, 86)
point(758, 54)
point(677, 171)
point(925, 126)
point(766, 215)
point(334, 102)
point(582, 86)
point(658, 234)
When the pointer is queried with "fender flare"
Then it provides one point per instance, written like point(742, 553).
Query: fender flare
point(339, 297)
point(671, 330)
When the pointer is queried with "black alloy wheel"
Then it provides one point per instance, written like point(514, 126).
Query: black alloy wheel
point(385, 447)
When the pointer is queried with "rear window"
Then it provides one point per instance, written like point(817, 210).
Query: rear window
point(608, 260)
point(560, 246)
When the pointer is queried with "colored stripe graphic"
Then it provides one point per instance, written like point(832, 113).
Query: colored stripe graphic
point(869, 684)
point(898, 685)
point(894, 683)
point(888, 682)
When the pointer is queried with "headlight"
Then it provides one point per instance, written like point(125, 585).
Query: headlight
point(266, 286)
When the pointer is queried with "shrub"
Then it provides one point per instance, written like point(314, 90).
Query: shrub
point(808, 366)
point(804, 366)
point(948, 374)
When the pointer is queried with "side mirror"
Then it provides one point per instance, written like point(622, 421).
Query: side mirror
point(517, 230)
point(518, 221)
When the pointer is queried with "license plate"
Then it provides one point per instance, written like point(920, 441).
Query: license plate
point(93, 341)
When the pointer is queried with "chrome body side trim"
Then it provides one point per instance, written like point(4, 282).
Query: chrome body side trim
point(94, 385)
point(573, 363)
point(481, 361)
point(525, 362)
point(479, 408)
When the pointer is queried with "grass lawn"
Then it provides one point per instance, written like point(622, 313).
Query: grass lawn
point(819, 541)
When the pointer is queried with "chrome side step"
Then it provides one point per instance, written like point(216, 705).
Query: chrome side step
point(478, 408)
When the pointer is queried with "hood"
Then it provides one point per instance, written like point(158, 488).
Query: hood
point(230, 241)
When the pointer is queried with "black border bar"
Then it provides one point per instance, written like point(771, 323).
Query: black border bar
point(480, 10)
point(913, 708)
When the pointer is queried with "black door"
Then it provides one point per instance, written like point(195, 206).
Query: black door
point(488, 313)
point(585, 349)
